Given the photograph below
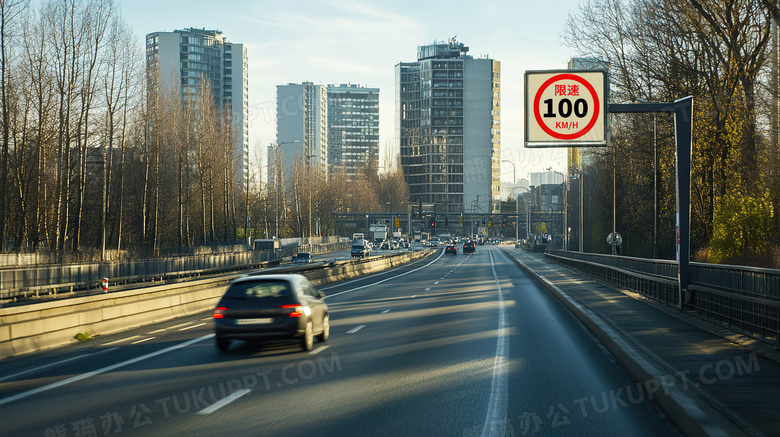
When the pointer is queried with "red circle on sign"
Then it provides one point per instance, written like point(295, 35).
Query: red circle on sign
point(575, 78)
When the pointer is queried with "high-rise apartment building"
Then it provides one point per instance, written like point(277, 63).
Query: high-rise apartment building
point(353, 128)
point(191, 55)
point(448, 123)
point(301, 127)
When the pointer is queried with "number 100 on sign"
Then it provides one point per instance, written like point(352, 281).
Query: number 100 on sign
point(565, 108)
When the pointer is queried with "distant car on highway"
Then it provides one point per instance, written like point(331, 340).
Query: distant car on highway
point(469, 247)
point(271, 307)
point(360, 249)
point(451, 248)
point(302, 257)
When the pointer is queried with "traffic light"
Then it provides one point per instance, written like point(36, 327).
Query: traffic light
point(433, 222)
point(446, 221)
point(397, 222)
point(503, 223)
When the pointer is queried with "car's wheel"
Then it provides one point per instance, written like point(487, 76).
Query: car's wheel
point(222, 344)
point(325, 329)
point(307, 342)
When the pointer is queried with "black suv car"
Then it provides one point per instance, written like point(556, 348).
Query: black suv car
point(468, 247)
point(271, 307)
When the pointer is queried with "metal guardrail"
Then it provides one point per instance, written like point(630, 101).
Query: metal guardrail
point(747, 298)
point(656, 267)
point(641, 277)
point(22, 282)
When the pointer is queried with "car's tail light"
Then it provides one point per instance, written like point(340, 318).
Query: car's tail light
point(219, 312)
point(295, 310)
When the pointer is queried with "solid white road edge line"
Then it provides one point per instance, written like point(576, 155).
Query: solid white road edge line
point(499, 390)
point(378, 282)
point(76, 378)
point(46, 366)
point(224, 401)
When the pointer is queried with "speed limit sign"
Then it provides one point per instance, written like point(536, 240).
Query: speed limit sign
point(565, 108)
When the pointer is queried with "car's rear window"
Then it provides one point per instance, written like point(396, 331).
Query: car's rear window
point(259, 290)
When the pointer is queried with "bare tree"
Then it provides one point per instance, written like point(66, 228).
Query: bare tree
point(95, 21)
point(116, 84)
point(36, 68)
point(9, 11)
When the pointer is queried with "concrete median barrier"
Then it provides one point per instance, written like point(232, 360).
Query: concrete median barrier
point(33, 327)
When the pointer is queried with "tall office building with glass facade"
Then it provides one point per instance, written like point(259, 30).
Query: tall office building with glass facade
point(448, 125)
point(301, 129)
point(191, 55)
point(353, 128)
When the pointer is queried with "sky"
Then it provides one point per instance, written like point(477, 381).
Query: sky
point(360, 42)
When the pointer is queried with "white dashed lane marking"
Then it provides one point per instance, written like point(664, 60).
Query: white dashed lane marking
point(318, 350)
point(356, 329)
point(122, 339)
point(190, 327)
point(224, 401)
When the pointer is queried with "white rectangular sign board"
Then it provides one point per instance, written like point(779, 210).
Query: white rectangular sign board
point(566, 108)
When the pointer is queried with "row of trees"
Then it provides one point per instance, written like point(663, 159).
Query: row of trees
point(68, 73)
point(720, 52)
point(98, 155)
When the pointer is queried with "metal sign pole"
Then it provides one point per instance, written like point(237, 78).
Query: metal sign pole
point(683, 127)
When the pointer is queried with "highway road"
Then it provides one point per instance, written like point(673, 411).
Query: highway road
point(463, 345)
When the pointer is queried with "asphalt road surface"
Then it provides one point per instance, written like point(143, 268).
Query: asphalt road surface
point(463, 345)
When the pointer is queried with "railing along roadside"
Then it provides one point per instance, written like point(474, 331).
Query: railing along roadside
point(745, 298)
point(53, 279)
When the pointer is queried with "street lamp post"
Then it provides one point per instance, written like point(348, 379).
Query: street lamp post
point(655, 188)
point(278, 179)
point(517, 202)
point(517, 219)
point(580, 230)
point(530, 205)
point(308, 161)
point(246, 209)
point(655, 180)
point(614, 204)
point(564, 208)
